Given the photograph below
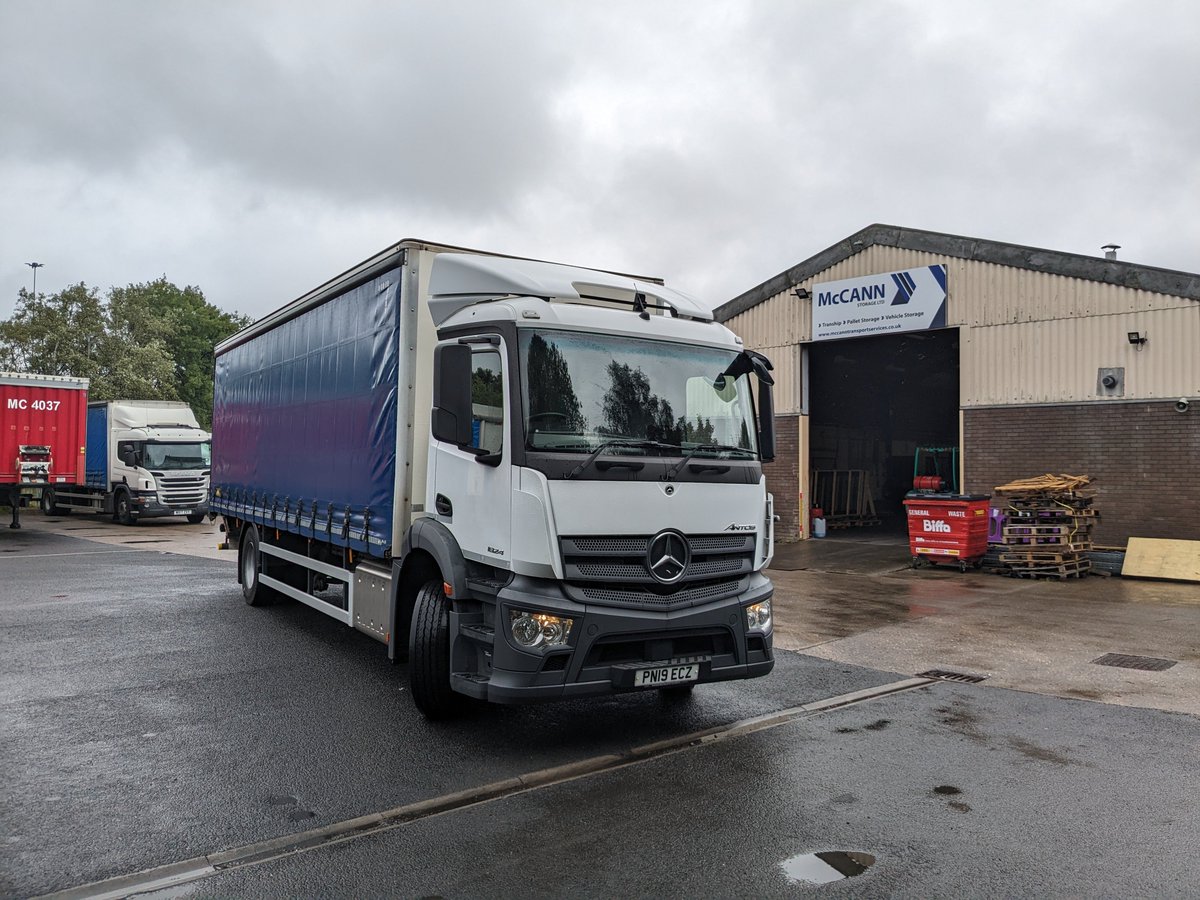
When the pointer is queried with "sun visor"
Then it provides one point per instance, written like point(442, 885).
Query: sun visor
point(458, 280)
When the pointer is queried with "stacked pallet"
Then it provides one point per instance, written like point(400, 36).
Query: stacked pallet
point(846, 496)
point(1048, 530)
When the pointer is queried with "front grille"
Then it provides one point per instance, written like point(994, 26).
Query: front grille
point(689, 596)
point(612, 570)
point(606, 546)
point(181, 492)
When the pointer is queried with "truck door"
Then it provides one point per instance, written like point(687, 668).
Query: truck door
point(473, 485)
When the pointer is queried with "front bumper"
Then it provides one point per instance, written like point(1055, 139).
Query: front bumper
point(149, 507)
point(609, 645)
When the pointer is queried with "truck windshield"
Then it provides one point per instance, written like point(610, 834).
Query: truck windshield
point(583, 390)
point(176, 456)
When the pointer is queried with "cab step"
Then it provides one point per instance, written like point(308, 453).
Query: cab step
point(471, 684)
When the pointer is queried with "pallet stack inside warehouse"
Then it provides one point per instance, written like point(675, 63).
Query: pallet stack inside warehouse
point(1048, 529)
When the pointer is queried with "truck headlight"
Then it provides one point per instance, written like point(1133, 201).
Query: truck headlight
point(534, 630)
point(758, 616)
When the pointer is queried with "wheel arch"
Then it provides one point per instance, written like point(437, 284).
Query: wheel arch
point(430, 553)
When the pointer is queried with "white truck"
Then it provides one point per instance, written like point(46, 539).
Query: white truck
point(532, 480)
point(145, 458)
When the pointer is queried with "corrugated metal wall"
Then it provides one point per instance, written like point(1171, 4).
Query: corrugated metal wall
point(1027, 337)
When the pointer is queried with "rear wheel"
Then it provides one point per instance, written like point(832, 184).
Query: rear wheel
point(429, 654)
point(49, 507)
point(250, 567)
point(123, 509)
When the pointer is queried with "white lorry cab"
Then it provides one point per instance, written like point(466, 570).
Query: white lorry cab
point(145, 458)
point(535, 481)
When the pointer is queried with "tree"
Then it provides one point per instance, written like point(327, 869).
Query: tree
point(552, 398)
point(150, 341)
point(187, 324)
point(631, 410)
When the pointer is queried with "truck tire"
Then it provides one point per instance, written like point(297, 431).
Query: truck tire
point(429, 654)
point(250, 567)
point(123, 508)
point(49, 507)
point(196, 519)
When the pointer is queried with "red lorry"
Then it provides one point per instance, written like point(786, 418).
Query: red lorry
point(43, 420)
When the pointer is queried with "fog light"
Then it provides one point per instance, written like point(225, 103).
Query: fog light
point(539, 630)
point(758, 616)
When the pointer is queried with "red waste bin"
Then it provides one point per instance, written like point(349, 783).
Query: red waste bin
point(947, 528)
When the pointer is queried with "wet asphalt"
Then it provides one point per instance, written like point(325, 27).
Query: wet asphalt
point(147, 715)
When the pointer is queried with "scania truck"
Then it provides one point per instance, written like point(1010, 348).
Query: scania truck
point(42, 422)
point(533, 481)
point(145, 459)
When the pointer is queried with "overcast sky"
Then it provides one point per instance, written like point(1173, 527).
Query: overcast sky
point(254, 149)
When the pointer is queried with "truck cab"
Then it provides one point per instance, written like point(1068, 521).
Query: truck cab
point(165, 472)
point(608, 482)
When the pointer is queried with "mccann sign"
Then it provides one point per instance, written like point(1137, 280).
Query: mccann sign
point(912, 300)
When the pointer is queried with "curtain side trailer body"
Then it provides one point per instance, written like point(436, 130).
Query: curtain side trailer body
point(534, 481)
point(42, 434)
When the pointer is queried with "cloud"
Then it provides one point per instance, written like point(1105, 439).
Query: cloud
point(255, 149)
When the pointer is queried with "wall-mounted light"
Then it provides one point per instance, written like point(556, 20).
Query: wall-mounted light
point(1136, 338)
point(801, 293)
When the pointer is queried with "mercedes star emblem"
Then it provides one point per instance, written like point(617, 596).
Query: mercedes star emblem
point(668, 556)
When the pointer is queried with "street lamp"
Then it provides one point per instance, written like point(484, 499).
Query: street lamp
point(35, 266)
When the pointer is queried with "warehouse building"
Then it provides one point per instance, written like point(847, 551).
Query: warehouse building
point(1009, 361)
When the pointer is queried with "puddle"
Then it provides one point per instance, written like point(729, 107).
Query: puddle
point(826, 866)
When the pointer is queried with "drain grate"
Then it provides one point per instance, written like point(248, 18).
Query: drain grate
point(1142, 663)
point(946, 675)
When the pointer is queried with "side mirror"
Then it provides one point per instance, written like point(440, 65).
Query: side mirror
point(451, 420)
point(766, 405)
point(766, 421)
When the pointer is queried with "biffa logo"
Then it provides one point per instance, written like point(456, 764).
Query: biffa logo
point(936, 525)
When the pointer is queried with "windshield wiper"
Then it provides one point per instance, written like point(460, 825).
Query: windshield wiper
point(619, 442)
point(670, 474)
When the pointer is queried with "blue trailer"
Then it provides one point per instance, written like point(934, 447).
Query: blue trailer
point(534, 481)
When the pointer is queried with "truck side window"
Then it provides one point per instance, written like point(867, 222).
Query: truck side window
point(487, 401)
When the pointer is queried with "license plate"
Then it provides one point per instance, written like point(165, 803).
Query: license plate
point(660, 675)
point(182, 512)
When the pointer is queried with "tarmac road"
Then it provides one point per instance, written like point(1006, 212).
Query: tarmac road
point(148, 716)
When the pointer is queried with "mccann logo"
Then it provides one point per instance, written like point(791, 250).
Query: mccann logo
point(668, 556)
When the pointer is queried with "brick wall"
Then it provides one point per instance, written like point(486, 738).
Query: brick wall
point(783, 478)
point(1144, 458)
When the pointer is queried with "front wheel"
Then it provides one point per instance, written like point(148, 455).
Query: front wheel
point(196, 519)
point(429, 654)
point(123, 509)
point(250, 567)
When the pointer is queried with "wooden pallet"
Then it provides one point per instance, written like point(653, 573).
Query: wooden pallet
point(1035, 543)
point(1037, 529)
point(1062, 571)
point(1046, 512)
point(1037, 558)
